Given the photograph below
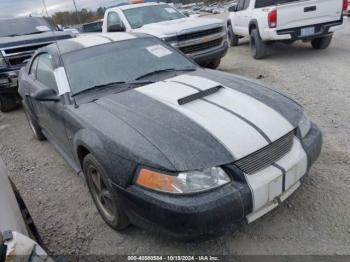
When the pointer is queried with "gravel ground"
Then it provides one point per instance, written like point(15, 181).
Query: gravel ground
point(315, 220)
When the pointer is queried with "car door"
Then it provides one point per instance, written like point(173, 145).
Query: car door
point(245, 17)
point(237, 18)
point(50, 113)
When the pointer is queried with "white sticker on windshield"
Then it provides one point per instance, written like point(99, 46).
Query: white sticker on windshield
point(42, 28)
point(159, 50)
point(170, 10)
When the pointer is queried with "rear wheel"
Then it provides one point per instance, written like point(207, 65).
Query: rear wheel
point(102, 194)
point(8, 103)
point(259, 49)
point(232, 37)
point(214, 64)
point(322, 42)
point(36, 129)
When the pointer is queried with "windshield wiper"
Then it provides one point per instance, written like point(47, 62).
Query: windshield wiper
point(33, 33)
point(165, 70)
point(129, 85)
point(100, 87)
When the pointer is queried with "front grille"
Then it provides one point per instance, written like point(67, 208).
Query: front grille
point(16, 61)
point(199, 34)
point(201, 47)
point(267, 155)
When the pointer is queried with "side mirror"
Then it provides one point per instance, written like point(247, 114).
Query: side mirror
point(232, 8)
point(46, 95)
point(116, 28)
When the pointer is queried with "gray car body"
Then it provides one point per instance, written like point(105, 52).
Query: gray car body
point(127, 130)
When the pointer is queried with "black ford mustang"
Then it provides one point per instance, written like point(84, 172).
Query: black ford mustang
point(163, 143)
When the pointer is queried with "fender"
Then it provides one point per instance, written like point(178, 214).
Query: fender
point(254, 24)
point(115, 165)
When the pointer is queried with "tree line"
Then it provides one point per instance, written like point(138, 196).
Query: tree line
point(83, 16)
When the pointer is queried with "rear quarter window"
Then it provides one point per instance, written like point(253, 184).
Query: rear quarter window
point(266, 3)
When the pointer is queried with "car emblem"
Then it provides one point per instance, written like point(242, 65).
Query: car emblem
point(205, 40)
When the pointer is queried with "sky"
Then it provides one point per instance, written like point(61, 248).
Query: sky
point(15, 8)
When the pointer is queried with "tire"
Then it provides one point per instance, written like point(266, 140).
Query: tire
point(102, 193)
point(232, 37)
point(36, 129)
point(259, 49)
point(322, 42)
point(8, 103)
point(214, 64)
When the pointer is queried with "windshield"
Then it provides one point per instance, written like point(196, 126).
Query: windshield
point(144, 15)
point(23, 26)
point(122, 61)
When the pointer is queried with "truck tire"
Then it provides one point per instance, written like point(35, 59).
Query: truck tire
point(214, 64)
point(38, 134)
point(232, 37)
point(322, 42)
point(7, 103)
point(259, 49)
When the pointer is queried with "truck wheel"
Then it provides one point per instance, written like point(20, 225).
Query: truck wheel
point(101, 191)
point(232, 37)
point(259, 49)
point(214, 64)
point(322, 42)
point(38, 134)
point(7, 103)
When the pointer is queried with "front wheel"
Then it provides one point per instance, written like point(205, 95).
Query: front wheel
point(8, 103)
point(214, 64)
point(322, 42)
point(259, 49)
point(102, 194)
point(232, 37)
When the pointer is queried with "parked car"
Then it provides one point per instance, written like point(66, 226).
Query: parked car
point(19, 38)
point(163, 143)
point(18, 234)
point(269, 21)
point(348, 9)
point(203, 39)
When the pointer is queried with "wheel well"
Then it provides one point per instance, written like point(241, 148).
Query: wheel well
point(82, 153)
point(251, 27)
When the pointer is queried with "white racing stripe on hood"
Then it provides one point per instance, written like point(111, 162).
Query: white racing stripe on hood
point(271, 122)
point(235, 134)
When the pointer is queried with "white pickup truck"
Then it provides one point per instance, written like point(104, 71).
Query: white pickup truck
point(267, 21)
point(203, 39)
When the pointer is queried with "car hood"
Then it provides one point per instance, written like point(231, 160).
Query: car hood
point(45, 37)
point(216, 130)
point(179, 26)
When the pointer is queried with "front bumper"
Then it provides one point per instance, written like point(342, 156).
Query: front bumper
point(204, 58)
point(9, 82)
point(210, 213)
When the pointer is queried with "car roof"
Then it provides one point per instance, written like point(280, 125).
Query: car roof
point(131, 6)
point(88, 40)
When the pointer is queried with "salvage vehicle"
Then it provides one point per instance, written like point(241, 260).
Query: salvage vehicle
point(19, 38)
point(18, 234)
point(163, 143)
point(269, 21)
point(203, 39)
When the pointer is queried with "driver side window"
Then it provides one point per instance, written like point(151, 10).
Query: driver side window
point(240, 5)
point(44, 72)
point(32, 71)
point(113, 19)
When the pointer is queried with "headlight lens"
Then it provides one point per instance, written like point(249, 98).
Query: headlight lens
point(183, 183)
point(304, 125)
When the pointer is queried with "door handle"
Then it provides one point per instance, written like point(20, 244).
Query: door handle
point(310, 9)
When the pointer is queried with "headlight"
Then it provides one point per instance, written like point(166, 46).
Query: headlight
point(304, 125)
point(172, 40)
point(2, 61)
point(183, 183)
